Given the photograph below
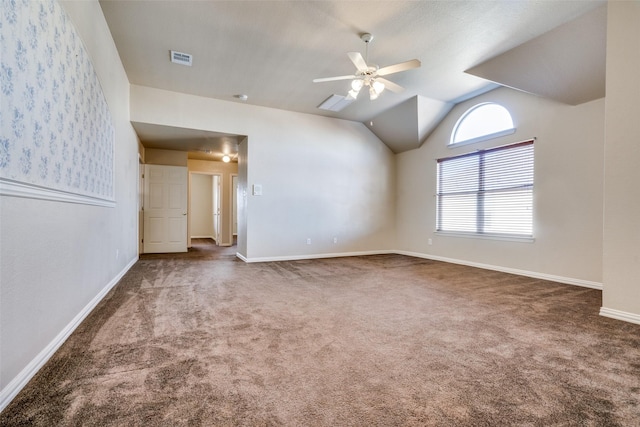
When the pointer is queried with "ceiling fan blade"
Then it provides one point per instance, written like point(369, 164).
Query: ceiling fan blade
point(330, 79)
point(396, 68)
point(358, 61)
point(388, 84)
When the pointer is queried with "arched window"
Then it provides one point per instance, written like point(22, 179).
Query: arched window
point(481, 122)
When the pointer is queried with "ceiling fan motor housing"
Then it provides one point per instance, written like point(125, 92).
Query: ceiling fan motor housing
point(366, 37)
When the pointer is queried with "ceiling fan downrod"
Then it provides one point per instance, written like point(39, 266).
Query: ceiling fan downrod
point(366, 38)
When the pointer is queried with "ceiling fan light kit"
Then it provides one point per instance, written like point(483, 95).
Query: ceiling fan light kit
point(370, 75)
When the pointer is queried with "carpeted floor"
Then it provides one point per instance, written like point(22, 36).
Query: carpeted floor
point(203, 339)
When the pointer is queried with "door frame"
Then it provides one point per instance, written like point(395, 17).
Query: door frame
point(140, 205)
point(234, 196)
point(216, 202)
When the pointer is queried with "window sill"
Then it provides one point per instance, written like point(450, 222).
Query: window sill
point(486, 236)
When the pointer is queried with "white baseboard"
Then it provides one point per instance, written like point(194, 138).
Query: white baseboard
point(620, 315)
point(13, 388)
point(313, 256)
point(526, 273)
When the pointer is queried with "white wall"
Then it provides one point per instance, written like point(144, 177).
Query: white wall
point(567, 194)
point(621, 294)
point(55, 258)
point(321, 177)
point(201, 205)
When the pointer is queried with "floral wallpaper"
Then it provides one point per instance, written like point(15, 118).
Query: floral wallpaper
point(55, 127)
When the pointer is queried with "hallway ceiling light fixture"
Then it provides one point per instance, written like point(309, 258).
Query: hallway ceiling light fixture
point(370, 75)
point(226, 158)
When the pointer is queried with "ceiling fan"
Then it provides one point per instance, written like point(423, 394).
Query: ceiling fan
point(371, 75)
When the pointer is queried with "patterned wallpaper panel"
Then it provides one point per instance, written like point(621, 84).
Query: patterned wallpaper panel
point(55, 127)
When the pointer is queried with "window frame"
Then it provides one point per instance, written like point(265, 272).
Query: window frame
point(481, 193)
point(479, 138)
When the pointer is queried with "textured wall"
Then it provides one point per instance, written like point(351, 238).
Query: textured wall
point(55, 258)
point(56, 130)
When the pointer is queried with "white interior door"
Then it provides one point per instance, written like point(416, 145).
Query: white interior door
point(216, 208)
point(165, 209)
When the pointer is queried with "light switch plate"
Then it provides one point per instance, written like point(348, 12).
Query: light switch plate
point(257, 190)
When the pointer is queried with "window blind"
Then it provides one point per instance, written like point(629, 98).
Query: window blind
point(487, 192)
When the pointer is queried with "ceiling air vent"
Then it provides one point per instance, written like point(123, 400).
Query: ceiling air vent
point(335, 103)
point(181, 58)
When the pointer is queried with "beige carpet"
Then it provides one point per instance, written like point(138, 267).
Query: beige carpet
point(203, 339)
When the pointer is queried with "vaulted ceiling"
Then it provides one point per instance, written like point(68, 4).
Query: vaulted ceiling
point(272, 50)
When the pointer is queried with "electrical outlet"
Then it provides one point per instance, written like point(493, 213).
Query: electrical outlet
point(308, 240)
point(335, 240)
point(430, 242)
point(117, 253)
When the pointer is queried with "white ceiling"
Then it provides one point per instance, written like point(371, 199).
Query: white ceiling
point(272, 50)
point(567, 64)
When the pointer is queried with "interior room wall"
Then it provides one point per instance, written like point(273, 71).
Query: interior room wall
point(201, 205)
point(325, 181)
point(567, 191)
point(57, 259)
point(155, 156)
point(225, 170)
point(621, 294)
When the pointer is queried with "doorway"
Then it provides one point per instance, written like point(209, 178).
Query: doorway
point(205, 207)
